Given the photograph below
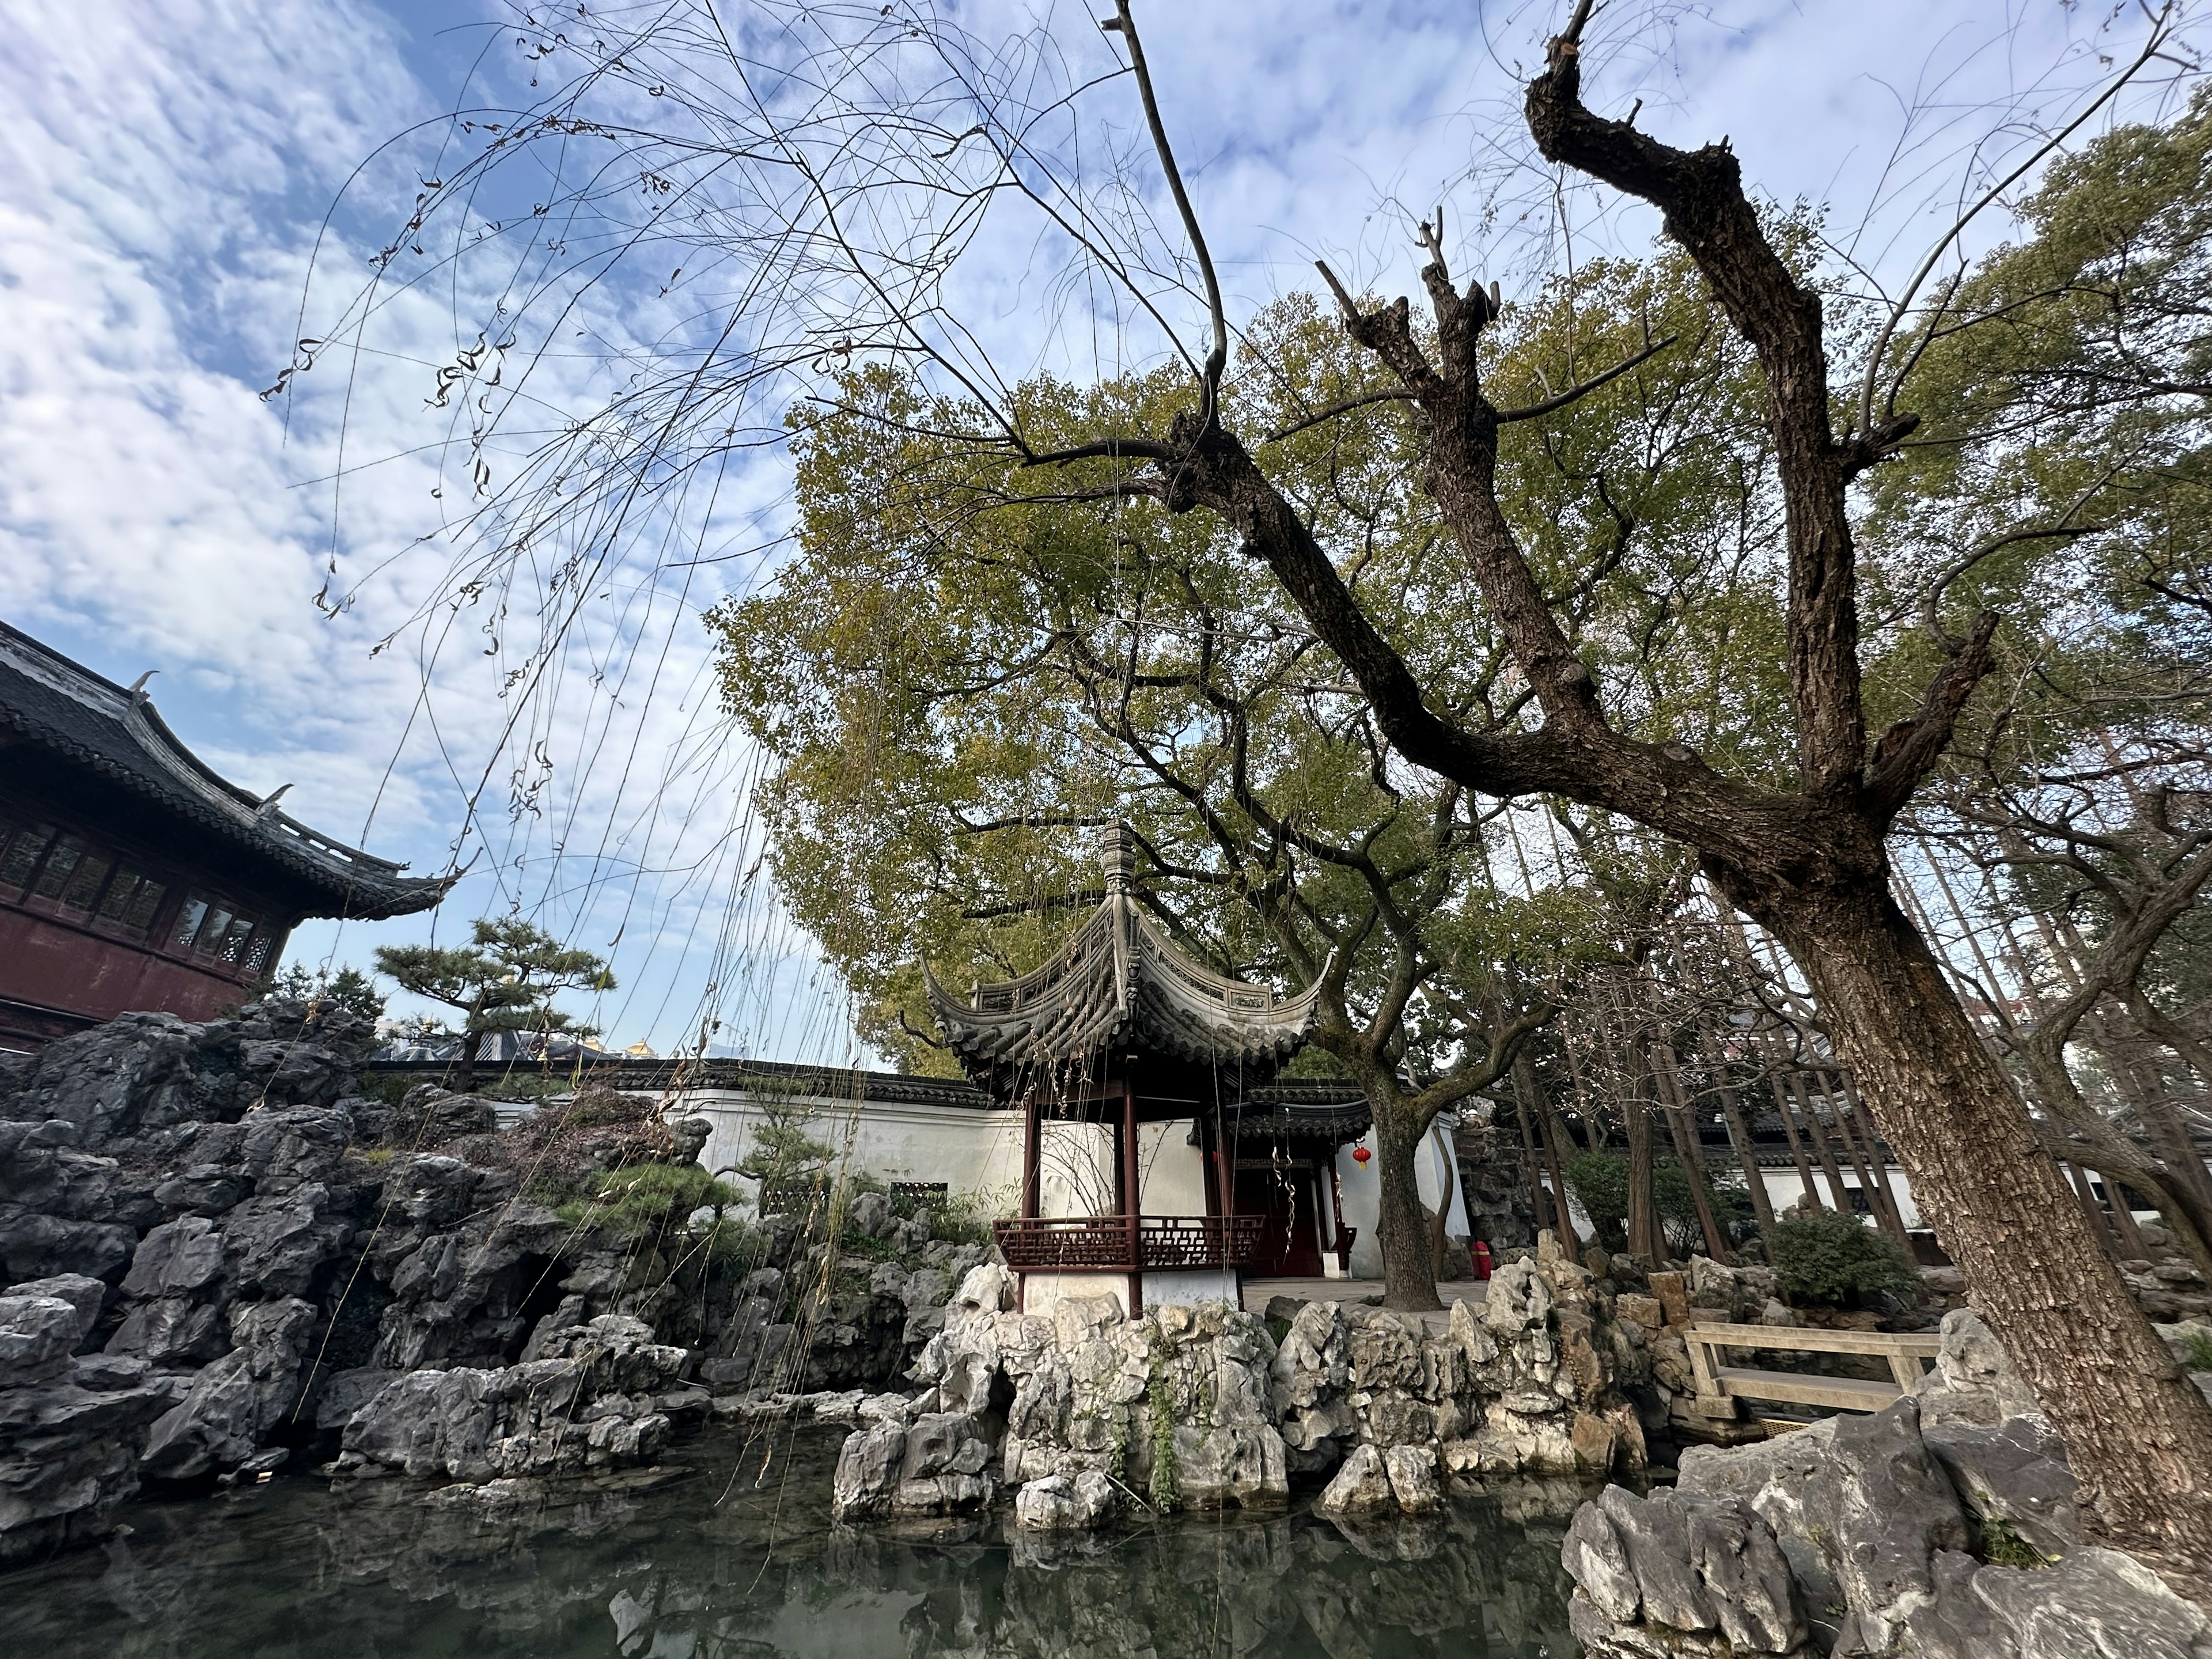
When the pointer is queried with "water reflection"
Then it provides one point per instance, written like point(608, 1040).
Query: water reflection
point(664, 1570)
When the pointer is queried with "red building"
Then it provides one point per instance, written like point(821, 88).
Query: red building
point(132, 877)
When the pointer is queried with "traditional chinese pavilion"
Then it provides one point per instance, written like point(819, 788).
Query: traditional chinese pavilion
point(1121, 1029)
point(131, 875)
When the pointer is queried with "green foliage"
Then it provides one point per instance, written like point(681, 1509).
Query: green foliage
point(2003, 1547)
point(504, 981)
point(1830, 1258)
point(1166, 1490)
point(782, 1155)
point(1599, 1182)
point(348, 988)
point(965, 1218)
point(2196, 1352)
point(660, 1205)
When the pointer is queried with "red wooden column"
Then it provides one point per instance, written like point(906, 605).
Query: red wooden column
point(1030, 1195)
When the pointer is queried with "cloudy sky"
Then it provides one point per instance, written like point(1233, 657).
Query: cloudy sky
point(172, 175)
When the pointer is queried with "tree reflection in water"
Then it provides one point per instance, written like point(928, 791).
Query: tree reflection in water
point(663, 1570)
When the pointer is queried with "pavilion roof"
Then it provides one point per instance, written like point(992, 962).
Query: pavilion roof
point(1121, 987)
point(65, 708)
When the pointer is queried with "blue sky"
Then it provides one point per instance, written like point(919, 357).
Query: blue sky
point(165, 174)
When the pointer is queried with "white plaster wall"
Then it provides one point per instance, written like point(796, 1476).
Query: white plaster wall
point(1785, 1189)
point(1363, 1203)
point(970, 1150)
point(1041, 1292)
point(1188, 1287)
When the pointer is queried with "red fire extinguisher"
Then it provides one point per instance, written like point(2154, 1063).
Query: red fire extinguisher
point(1482, 1259)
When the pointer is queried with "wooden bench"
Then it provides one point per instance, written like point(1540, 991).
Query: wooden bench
point(1721, 1386)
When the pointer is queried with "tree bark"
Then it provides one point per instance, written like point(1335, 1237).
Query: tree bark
point(1687, 1152)
point(2137, 1433)
point(1646, 1238)
point(1401, 1227)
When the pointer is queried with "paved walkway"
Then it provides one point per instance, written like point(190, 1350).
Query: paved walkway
point(1258, 1291)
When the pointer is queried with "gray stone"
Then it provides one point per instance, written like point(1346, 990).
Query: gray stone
point(236, 1401)
point(2095, 1604)
point(1596, 1559)
point(1362, 1487)
point(1412, 1473)
point(1656, 1533)
point(2016, 1472)
point(38, 1334)
point(176, 1259)
point(1055, 1503)
point(867, 1471)
point(1974, 1381)
point(84, 1293)
point(1755, 1601)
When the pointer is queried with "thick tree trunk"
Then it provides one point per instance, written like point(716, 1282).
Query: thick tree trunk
point(1645, 1237)
point(2138, 1434)
point(1408, 1283)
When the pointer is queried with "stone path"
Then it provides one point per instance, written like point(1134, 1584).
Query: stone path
point(1257, 1291)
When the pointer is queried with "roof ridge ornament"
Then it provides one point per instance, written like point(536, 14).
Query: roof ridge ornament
point(1117, 852)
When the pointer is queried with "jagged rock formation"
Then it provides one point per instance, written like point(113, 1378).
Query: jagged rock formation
point(216, 1251)
point(1899, 1534)
point(1202, 1408)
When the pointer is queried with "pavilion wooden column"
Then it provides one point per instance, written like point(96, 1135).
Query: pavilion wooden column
point(1031, 1196)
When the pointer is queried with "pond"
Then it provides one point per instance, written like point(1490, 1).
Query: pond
point(728, 1553)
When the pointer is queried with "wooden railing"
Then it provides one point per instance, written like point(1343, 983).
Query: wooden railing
point(1127, 1244)
point(1719, 1386)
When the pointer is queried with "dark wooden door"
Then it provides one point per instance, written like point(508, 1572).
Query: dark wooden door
point(1290, 1246)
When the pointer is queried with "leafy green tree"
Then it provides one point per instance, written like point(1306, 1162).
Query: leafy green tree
point(505, 980)
point(783, 1156)
point(348, 988)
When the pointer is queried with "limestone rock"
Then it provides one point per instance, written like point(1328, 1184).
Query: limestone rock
point(236, 1401)
point(1057, 1503)
point(1412, 1474)
point(868, 1470)
point(1362, 1487)
point(2016, 1472)
point(1974, 1380)
point(38, 1334)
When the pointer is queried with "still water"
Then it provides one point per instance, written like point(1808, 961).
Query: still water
point(730, 1560)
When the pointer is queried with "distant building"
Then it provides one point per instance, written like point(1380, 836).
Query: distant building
point(132, 876)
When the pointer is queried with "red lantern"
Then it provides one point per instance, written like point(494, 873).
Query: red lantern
point(1360, 1155)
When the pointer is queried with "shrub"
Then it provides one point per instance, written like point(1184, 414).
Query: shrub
point(1599, 1182)
point(2196, 1352)
point(1833, 1258)
point(655, 1204)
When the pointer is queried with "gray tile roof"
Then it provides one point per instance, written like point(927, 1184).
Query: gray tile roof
point(1121, 985)
point(64, 706)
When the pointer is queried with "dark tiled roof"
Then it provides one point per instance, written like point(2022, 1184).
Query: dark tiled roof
point(1121, 985)
point(755, 1076)
point(65, 707)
